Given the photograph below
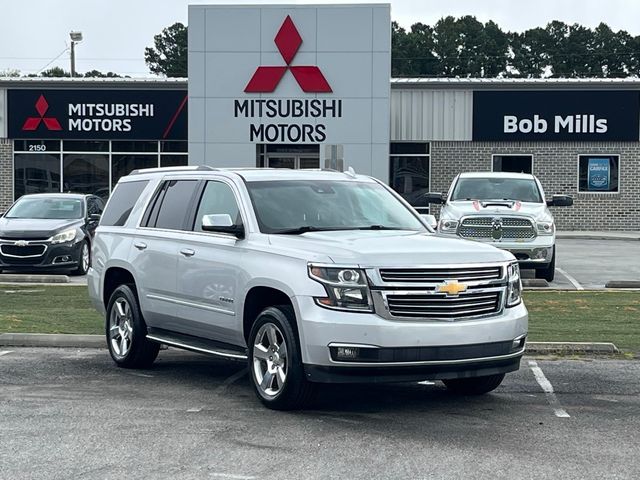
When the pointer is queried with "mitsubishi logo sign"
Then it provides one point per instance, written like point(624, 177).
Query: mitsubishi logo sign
point(309, 77)
point(32, 123)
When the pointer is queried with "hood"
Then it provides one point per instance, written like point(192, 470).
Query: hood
point(387, 248)
point(34, 228)
point(460, 209)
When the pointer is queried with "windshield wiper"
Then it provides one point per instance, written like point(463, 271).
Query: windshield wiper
point(379, 227)
point(307, 228)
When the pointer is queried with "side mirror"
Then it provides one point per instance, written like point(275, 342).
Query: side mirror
point(221, 223)
point(435, 198)
point(560, 201)
point(95, 217)
point(430, 220)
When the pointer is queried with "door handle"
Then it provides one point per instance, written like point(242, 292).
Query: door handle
point(187, 252)
point(140, 245)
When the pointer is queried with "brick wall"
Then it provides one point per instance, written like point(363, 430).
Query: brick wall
point(556, 165)
point(6, 174)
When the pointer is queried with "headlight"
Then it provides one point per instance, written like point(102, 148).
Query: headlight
point(347, 288)
point(62, 237)
point(448, 226)
point(514, 286)
point(545, 228)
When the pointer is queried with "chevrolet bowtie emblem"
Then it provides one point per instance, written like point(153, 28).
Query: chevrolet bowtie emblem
point(451, 288)
point(21, 243)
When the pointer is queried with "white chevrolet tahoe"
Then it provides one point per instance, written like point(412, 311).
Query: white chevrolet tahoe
point(309, 276)
point(507, 210)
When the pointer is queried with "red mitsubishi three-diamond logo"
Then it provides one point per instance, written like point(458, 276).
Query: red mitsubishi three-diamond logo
point(32, 123)
point(309, 77)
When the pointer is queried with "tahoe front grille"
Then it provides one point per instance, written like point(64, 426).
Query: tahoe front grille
point(441, 306)
point(496, 228)
point(26, 251)
point(438, 275)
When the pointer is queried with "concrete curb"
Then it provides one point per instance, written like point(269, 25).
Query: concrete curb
point(568, 348)
point(623, 284)
point(535, 283)
point(599, 235)
point(19, 278)
point(98, 341)
point(51, 340)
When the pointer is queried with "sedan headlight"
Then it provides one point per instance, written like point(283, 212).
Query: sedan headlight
point(448, 226)
point(63, 237)
point(545, 228)
point(347, 288)
point(514, 286)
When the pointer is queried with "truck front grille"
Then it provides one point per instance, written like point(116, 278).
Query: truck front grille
point(441, 306)
point(438, 275)
point(497, 228)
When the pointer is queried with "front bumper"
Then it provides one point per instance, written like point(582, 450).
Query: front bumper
point(538, 251)
point(408, 348)
point(62, 256)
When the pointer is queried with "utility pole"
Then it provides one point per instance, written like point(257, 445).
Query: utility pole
point(76, 37)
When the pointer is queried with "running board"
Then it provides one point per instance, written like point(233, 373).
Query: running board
point(195, 344)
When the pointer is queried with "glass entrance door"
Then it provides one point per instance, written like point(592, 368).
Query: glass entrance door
point(289, 156)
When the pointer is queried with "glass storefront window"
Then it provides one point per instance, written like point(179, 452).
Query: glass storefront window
point(36, 173)
point(173, 147)
point(86, 173)
point(599, 174)
point(174, 160)
point(124, 164)
point(36, 146)
point(134, 146)
point(410, 178)
point(85, 146)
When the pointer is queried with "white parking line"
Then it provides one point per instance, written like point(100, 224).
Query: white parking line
point(547, 388)
point(5, 352)
point(573, 281)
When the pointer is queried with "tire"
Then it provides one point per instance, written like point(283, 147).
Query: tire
point(286, 387)
point(126, 331)
point(549, 271)
point(474, 385)
point(84, 262)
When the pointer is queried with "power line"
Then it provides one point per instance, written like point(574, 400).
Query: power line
point(61, 53)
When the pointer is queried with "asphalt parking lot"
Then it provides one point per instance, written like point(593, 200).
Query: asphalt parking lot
point(70, 413)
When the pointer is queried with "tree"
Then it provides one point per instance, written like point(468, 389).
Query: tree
point(10, 73)
point(169, 55)
point(99, 74)
point(55, 72)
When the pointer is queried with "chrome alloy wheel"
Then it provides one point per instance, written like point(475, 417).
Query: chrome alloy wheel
point(85, 257)
point(270, 360)
point(121, 327)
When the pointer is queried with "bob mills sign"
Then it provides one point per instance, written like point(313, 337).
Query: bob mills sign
point(289, 74)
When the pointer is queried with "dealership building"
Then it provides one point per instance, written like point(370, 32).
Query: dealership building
point(288, 86)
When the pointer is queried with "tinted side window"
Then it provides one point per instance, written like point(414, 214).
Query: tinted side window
point(122, 200)
point(217, 198)
point(175, 204)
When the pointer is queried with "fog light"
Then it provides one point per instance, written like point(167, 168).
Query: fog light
point(518, 343)
point(347, 353)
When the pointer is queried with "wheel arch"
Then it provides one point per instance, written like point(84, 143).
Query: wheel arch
point(257, 299)
point(113, 278)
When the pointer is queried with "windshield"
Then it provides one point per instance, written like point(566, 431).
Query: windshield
point(296, 206)
point(522, 189)
point(46, 208)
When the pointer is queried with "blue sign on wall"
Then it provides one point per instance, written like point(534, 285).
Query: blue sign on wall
point(598, 174)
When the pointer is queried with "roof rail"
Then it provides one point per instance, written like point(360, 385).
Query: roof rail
point(189, 168)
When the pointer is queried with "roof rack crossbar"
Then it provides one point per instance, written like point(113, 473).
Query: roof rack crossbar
point(190, 168)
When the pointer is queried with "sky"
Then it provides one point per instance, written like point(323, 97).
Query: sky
point(34, 32)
